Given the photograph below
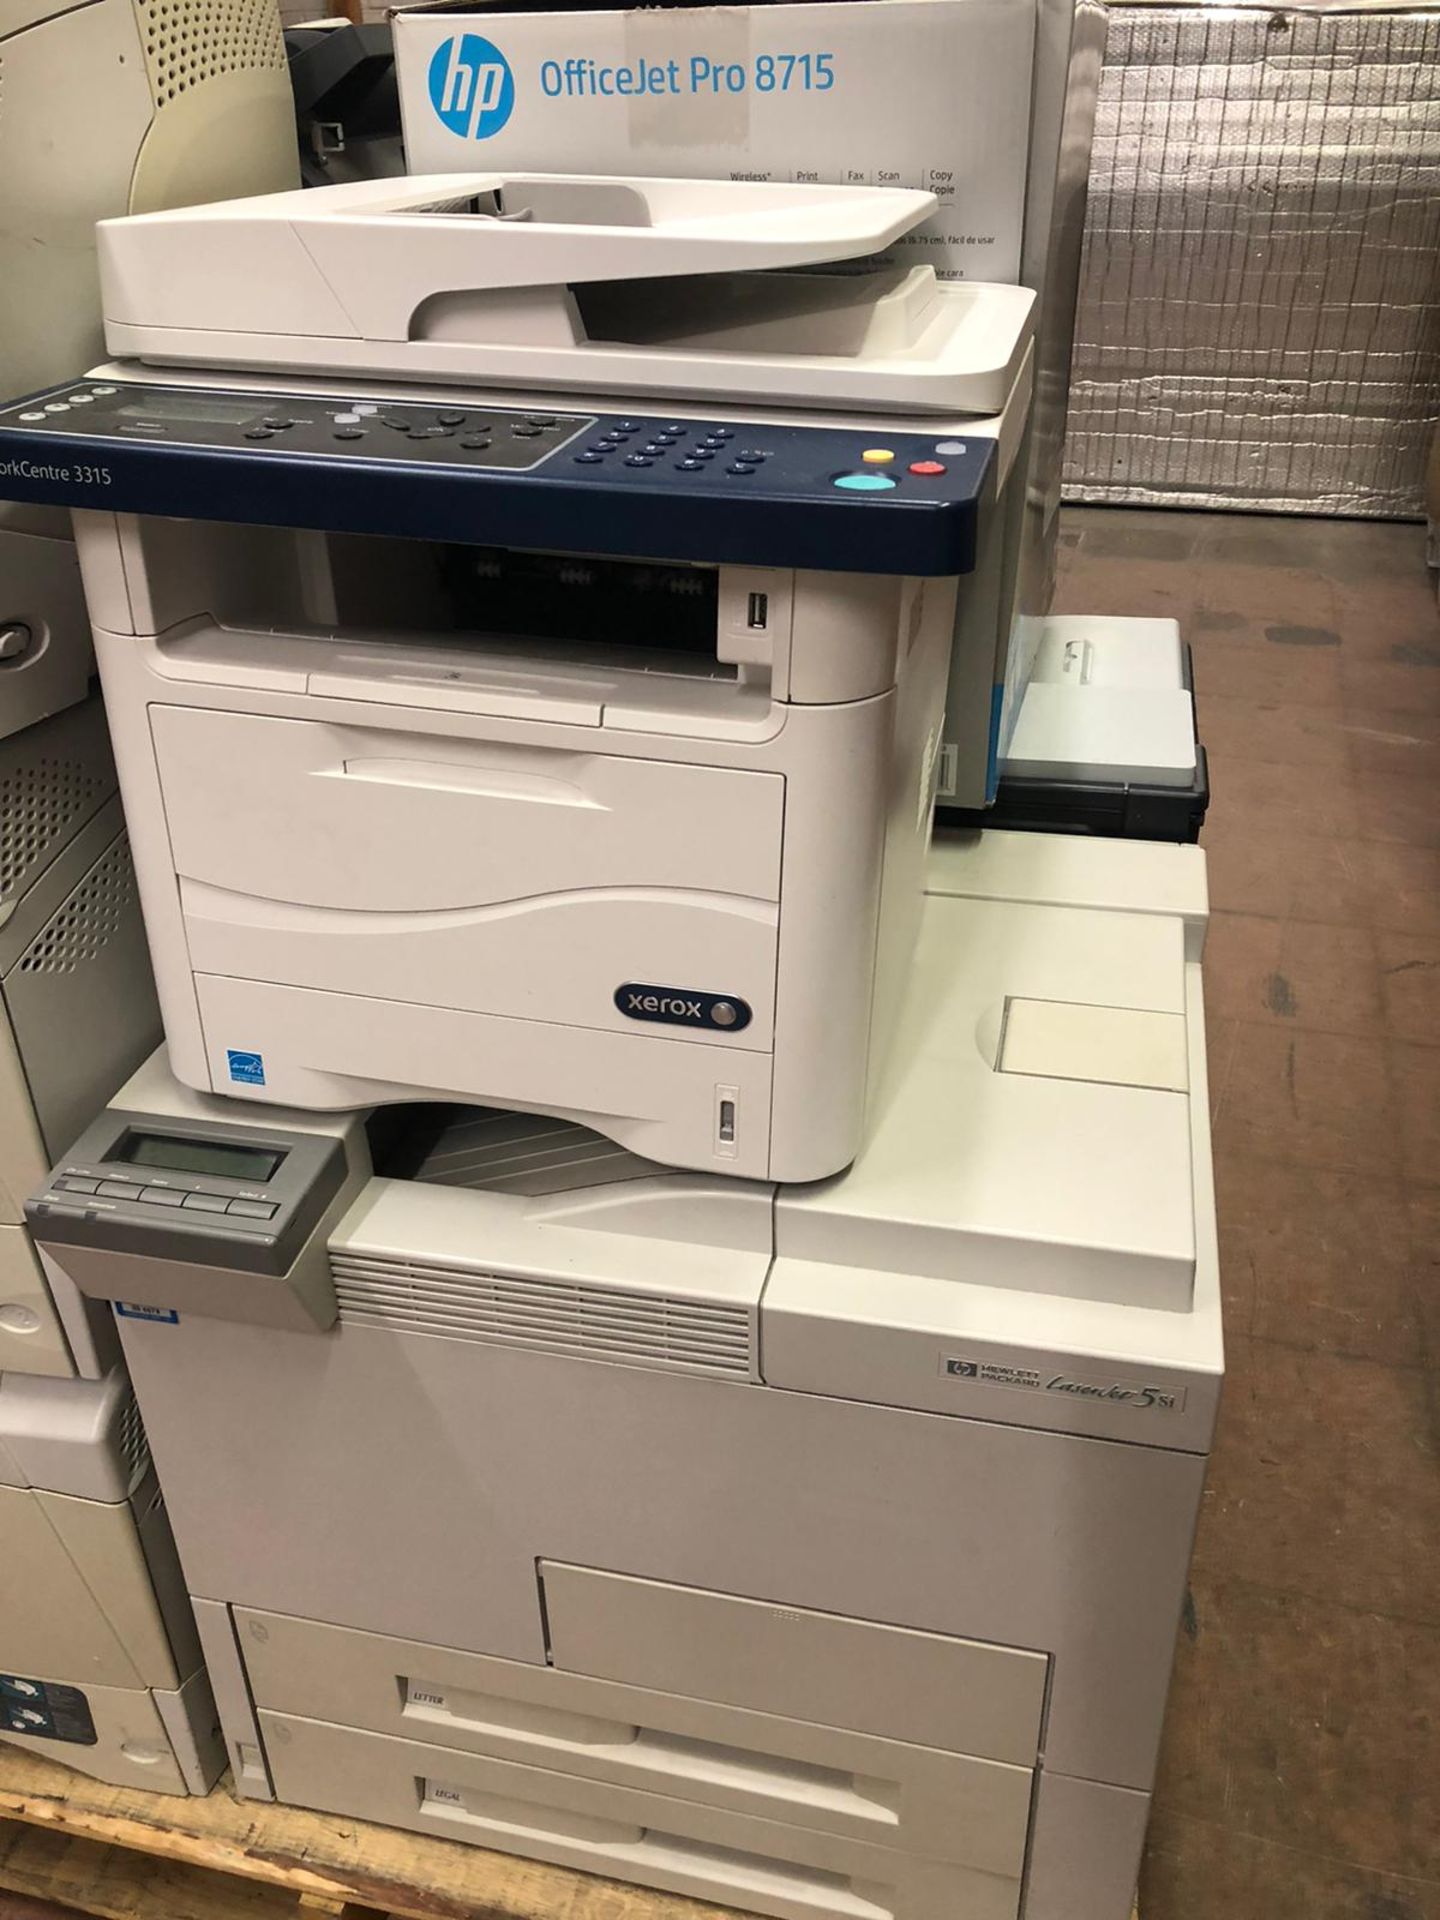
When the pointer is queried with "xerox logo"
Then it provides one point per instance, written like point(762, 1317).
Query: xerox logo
point(471, 86)
point(683, 1007)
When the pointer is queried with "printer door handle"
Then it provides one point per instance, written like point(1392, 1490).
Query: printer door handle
point(664, 1760)
point(707, 1869)
point(449, 776)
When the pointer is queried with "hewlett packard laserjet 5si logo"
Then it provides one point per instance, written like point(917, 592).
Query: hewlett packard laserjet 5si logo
point(471, 86)
point(1145, 1396)
point(683, 1007)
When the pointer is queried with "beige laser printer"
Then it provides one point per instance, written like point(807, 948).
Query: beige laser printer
point(113, 107)
point(814, 1549)
point(100, 1665)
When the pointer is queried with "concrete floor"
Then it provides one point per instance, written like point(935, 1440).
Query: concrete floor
point(1301, 1773)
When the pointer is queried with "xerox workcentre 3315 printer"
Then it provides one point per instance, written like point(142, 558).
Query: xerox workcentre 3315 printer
point(818, 1550)
point(522, 692)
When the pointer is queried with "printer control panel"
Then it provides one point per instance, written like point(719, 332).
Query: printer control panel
point(839, 498)
point(305, 423)
point(233, 1195)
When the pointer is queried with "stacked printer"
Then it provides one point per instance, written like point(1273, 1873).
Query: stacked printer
point(538, 748)
point(817, 1549)
point(678, 1322)
point(100, 1663)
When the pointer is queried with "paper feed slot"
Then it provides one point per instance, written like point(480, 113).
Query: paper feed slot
point(672, 1761)
point(757, 1765)
point(790, 1867)
point(636, 1847)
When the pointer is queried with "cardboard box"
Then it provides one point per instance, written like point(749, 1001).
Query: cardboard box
point(905, 93)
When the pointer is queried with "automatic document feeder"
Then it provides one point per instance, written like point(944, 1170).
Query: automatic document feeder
point(816, 1550)
point(684, 288)
point(532, 747)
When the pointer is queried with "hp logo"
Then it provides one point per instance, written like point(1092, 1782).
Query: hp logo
point(471, 86)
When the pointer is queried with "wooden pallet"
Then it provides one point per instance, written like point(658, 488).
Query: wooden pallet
point(123, 1855)
point(69, 1842)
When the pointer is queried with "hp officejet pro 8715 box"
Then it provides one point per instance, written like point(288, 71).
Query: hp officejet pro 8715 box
point(934, 94)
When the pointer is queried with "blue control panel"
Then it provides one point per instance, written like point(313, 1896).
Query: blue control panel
point(855, 500)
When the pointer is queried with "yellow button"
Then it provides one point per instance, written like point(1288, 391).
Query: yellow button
point(877, 456)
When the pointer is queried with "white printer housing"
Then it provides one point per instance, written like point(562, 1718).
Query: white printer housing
point(392, 869)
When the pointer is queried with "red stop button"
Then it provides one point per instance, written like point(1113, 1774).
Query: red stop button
point(927, 467)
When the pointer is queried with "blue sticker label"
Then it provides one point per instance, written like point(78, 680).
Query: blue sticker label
point(132, 1312)
point(471, 86)
point(45, 1709)
point(247, 1068)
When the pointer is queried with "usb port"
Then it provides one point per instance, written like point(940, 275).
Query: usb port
point(727, 1119)
point(759, 616)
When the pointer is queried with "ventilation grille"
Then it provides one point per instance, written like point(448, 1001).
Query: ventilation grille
point(548, 1316)
point(39, 801)
point(130, 1439)
point(85, 925)
point(188, 42)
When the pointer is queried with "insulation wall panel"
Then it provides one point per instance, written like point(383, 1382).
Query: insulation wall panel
point(1259, 320)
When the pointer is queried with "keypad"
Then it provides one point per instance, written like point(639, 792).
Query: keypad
point(685, 448)
point(169, 1199)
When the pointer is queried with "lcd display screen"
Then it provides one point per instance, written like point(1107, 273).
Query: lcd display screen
point(222, 1158)
point(180, 406)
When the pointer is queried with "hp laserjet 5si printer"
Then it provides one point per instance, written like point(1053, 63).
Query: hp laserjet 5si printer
point(487, 736)
point(819, 1550)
